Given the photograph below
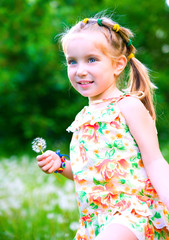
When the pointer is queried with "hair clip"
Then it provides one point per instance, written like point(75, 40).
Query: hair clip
point(130, 56)
point(116, 27)
point(85, 20)
point(129, 43)
point(99, 21)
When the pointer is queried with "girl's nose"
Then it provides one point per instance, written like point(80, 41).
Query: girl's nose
point(81, 70)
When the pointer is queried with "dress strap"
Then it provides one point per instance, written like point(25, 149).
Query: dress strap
point(138, 94)
point(122, 97)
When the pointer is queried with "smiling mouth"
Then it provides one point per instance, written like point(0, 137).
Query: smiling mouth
point(85, 82)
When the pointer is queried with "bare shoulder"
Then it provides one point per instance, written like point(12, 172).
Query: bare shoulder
point(133, 109)
point(142, 127)
point(129, 102)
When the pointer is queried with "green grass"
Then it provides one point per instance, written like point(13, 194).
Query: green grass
point(35, 205)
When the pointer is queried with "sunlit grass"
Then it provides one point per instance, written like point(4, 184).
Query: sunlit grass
point(34, 205)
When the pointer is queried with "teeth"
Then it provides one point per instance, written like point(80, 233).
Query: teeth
point(85, 82)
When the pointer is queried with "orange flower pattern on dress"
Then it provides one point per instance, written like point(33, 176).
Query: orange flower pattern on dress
point(83, 152)
point(149, 232)
point(82, 238)
point(104, 200)
point(90, 132)
point(116, 123)
point(149, 190)
point(112, 168)
point(110, 179)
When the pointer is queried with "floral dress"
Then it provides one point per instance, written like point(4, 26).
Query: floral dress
point(110, 179)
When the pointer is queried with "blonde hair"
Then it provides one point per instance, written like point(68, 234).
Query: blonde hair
point(119, 39)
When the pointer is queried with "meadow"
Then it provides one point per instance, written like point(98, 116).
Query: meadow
point(35, 205)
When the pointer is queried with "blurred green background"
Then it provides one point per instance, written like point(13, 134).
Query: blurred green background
point(36, 99)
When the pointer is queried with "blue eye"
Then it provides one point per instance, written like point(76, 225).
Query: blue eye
point(91, 60)
point(72, 62)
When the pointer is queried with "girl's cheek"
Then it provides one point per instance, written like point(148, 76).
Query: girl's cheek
point(71, 76)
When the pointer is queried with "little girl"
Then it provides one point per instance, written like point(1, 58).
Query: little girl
point(120, 175)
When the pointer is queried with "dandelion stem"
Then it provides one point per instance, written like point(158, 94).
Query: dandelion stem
point(41, 150)
point(57, 177)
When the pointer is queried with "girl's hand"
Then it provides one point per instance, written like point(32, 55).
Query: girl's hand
point(49, 161)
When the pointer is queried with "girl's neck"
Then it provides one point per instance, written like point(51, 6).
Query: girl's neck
point(114, 94)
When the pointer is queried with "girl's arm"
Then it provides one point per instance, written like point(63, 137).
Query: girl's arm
point(143, 130)
point(50, 162)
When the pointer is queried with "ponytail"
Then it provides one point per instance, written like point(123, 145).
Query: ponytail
point(139, 81)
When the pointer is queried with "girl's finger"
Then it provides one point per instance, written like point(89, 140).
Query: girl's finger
point(44, 162)
point(39, 157)
point(47, 166)
point(55, 166)
point(44, 155)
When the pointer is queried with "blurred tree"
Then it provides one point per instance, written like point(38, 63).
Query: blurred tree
point(35, 94)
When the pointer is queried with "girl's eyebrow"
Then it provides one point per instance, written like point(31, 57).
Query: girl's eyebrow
point(86, 56)
point(70, 57)
point(92, 55)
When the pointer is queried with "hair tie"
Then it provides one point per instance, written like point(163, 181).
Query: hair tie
point(130, 56)
point(116, 27)
point(129, 43)
point(85, 20)
point(99, 21)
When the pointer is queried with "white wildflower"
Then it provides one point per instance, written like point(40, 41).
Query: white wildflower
point(60, 218)
point(66, 235)
point(74, 226)
point(50, 215)
point(39, 145)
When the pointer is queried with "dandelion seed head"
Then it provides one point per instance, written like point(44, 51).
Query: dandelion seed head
point(39, 144)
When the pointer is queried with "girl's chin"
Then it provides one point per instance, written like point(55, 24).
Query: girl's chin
point(88, 94)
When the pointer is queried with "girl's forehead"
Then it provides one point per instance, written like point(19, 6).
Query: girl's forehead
point(93, 36)
point(95, 39)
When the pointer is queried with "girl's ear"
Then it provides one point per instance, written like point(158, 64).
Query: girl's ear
point(120, 65)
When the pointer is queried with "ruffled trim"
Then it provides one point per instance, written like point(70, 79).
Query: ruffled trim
point(82, 117)
point(86, 115)
point(153, 209)
point(160, 215)
point(156, 212)
point(98, 221)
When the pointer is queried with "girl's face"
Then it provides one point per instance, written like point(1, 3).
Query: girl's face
point(92, 73)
